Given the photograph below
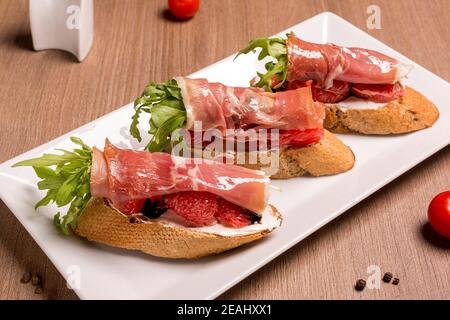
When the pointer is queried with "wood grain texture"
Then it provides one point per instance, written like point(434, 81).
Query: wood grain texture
point(45, 94)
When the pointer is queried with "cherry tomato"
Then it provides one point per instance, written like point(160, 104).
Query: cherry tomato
point(439, 214)
point(184, 9)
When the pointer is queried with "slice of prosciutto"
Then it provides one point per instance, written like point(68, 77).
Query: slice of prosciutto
point(378, 92)
point(123, 175)
point(324, 63)
point(222, 107)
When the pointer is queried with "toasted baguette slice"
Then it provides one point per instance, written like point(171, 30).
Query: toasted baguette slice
point(327, 157)
point(409, 113)
point(102, 223)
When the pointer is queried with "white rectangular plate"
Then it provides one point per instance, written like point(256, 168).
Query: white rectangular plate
point(120, 274)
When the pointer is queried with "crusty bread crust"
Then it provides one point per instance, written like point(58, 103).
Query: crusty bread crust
point(409, 113)
point(101, 223)
point(327, 157)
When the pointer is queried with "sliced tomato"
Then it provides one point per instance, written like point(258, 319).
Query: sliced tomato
point(295, 138)
point(338, 92)
point(131, 206)
point(196, 207)
point(292, 85)
point(378, 92)
point(341, 90)
point(232, 215)
point(300, 138)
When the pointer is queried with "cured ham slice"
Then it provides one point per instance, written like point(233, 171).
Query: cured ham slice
point(221, 107)
point(122, 175)
point(324, 63)
point(378, 92)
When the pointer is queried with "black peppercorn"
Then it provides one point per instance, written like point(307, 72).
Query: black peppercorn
point(26, 277)
point(38, 290)
point(36, 280)
point(254, 218)
point(360, 285)
point(132, 220)
point(153, 209)
point(395, 281)
point(387, 277)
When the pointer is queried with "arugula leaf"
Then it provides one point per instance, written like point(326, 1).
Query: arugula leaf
point(167, 112)
point(67, 183)
point(80, 143)
point(50, 183)
point(51, 194)
point(160, 114)
point(161, 136)
point(46, 160)
point(134, 130)
point(275, 48)
point(44, 172)
point(66, 192)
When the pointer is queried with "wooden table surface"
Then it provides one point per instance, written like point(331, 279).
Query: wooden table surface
point(45, 94)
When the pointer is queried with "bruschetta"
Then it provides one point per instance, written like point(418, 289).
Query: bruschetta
point(156, 203)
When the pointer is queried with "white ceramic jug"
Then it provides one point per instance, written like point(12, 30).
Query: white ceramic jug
point(62, 24)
